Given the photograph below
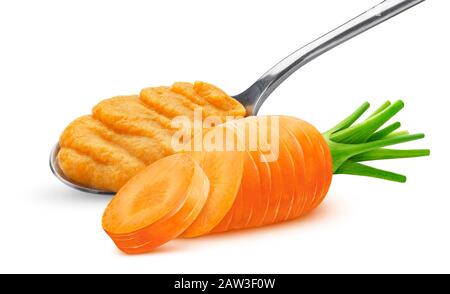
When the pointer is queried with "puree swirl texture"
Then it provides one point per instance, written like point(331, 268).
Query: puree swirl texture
point(124, 134)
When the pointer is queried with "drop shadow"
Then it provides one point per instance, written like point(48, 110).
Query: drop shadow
point(326, 210)
point(60, 194)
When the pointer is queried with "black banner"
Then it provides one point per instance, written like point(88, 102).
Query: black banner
point(203, 283)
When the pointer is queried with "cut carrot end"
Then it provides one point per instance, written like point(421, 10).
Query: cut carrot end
point(157, 205)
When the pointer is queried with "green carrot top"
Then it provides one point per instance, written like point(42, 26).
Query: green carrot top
point(350, 143)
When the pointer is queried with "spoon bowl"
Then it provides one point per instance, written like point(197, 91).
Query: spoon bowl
point(57, 171)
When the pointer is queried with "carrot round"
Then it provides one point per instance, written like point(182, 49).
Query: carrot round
point(157, 205)
point(218, 166)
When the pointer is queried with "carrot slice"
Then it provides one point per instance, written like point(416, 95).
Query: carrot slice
point(259, 179)
point(259, 197)
point(224, 224)
point(296, 126)
point(249, 201)
point(157, 205)
point(224, 170)
point(276, 192)
point(248, 192)
point(296, 153)
point(286, 161)
point(240, 211)
point(323, 163)
point(314, 172)
point(258, 201)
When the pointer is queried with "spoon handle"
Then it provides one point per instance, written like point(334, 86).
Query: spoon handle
point(254, 97)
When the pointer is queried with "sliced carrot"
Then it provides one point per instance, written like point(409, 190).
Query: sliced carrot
point(315, 174)
point(288, 179)
point(195, 193)
point(259, 195)
point(262, 197)
point(247, 194)
point(259, 176)
point(324, 164)
point(311, 185)
point(297, 179)
point(245, 191)
point(229, 216)
point(157, 205)
point(276, 192)
point(251, 202)
point(239, 211)
point(224, 170)
point(224, 224)
point(296, 153)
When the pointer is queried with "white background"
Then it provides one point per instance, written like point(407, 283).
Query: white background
point(59, 58)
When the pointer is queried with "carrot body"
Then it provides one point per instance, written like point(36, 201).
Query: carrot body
point(286, 188)
point(278, 177)
point(196, 193)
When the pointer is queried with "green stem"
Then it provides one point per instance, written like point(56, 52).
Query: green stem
point(364, 147)
point(396, 134)
point(358, 169)
point(380, 109)
point(342, 152)
point(384, 132)
point(382, 154)
point(361, 132)
point(348, 121)
point(349, 144)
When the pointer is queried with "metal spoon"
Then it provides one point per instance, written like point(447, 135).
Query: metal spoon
point(256, 94)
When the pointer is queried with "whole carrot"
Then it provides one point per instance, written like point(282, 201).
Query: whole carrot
point(244, 191)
